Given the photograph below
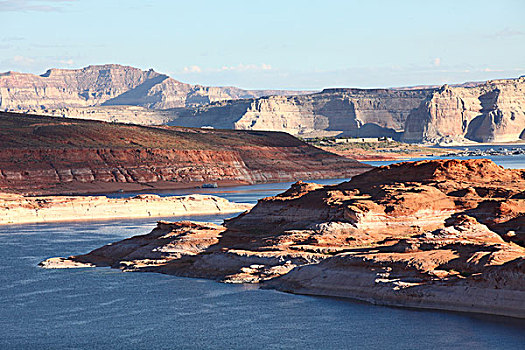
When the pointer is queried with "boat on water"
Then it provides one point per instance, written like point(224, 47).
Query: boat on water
point(210, 185)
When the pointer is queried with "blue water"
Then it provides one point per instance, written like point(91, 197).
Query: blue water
point(108, 309)
point(240, 194)
point(510, 162)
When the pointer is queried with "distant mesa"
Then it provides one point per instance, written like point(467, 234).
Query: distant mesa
point(491, 111)
point(110, 84)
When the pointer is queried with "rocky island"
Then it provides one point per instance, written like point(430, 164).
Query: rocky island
point(440, 234)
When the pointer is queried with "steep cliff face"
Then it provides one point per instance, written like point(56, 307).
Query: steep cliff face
point(351, 112)
point(109, 85)
point(486, 112)
point(490, 112)
point(445, 234)
point(56, 155)
point(493, 111)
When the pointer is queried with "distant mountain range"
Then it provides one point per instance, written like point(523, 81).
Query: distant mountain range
point(111, 85)
point(491, 111)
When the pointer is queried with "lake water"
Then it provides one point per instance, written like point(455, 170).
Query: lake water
point(510, 162)
point(108, 309)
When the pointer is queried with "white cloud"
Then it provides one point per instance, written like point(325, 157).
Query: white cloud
point(192, 69)
point(246, 67)
point(32, 5)
point(240, 68)
point(492, 70)
point(23, 61)
point(507, 33)
point(68, 62)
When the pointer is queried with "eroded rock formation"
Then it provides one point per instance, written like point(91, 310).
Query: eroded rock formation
point(490, 112)
point(445, 234)
point(108, 85)
point(46, 155)
point(493, 111)
point(349, 112)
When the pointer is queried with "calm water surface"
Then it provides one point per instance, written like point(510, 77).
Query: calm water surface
point(510, 162)
point(107, 309)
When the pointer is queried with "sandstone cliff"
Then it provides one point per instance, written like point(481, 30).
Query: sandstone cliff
point(443, 234)
point(109, 85)
point(485, 112)
point(56, 155)
point(490, 112)
point(349, 112)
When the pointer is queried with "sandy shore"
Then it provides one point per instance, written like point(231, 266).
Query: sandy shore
point(17, 209)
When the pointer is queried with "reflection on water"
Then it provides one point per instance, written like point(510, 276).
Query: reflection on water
point(240, 194)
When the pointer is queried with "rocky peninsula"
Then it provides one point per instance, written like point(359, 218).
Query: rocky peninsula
point(441, 234)
point(17, 209)
point(48, 155)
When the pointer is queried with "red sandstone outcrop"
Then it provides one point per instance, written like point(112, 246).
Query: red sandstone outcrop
point(445, 234)
point(16, 209)
point(46, 155)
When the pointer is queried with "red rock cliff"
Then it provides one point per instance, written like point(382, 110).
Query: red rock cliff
point(52, 155)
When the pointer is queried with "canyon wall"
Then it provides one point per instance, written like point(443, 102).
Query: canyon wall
point(348, 112)
point(490, 112)
point(493, 111)
point(440, 234)
point(109, 85)
point(55, 155)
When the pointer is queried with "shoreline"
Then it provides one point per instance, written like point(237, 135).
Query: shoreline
point(17, 209)
point(437, 234)
point(443, 307)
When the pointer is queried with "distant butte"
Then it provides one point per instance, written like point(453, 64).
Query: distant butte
point(441, 234)
point(490, 111)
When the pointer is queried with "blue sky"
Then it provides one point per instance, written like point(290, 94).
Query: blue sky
point(272, 44)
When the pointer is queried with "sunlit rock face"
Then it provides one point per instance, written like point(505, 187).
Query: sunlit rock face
point(493, 111)
point(46, 155)
point(489, 112)
point(108, 85)
point(348, 112)
point(444, 234)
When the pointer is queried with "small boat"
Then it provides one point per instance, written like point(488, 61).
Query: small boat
point(211, 185)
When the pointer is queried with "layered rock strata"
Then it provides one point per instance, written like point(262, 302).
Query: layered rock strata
point(16, 209)
point(443, 234)
point(490, 112)
point(347, 112)
point(493, 111)
point(109, 85)
point(45, 155)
